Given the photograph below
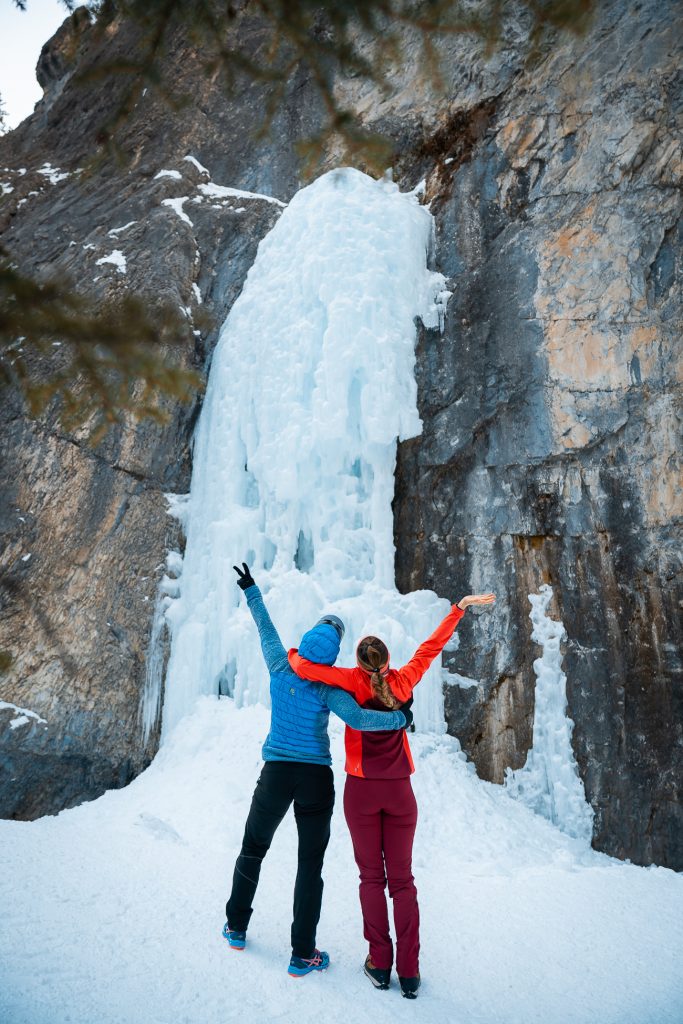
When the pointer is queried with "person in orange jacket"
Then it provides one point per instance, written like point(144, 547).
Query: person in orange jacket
point(379, 803)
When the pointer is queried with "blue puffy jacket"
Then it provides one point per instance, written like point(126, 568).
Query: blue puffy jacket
point(300, 710)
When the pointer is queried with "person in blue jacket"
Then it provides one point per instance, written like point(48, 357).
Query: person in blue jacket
point(296, 770)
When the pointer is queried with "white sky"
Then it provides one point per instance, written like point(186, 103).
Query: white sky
point(22, 34)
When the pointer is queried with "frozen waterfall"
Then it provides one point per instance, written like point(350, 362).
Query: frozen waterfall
point(311, 385)
point(549, 783)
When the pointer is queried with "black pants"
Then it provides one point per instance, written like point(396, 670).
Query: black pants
point(311, 788)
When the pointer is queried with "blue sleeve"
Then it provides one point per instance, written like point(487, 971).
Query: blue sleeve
point(271, 645)
point(343, 704)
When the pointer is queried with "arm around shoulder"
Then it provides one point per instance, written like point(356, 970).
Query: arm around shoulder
point(355, 716)
point(315, 673)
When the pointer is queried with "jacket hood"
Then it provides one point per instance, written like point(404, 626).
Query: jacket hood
point(320, 644)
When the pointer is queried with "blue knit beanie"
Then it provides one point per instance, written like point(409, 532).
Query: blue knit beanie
point(320, 644)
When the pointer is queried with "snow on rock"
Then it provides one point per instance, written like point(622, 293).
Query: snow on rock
point(112, 911)
point(6, 188)
point(197, 293)
point(169, 174)
point(455, 679)
point(117, 231)
point(549, 783)
point(224, 192)
point(177, 207)
point(200, 167)
point(53, 174)
point(23, 713)
point(178, 507)
point(311, 384)
point(116, 258)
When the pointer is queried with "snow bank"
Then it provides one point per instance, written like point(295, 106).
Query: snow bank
point(549, 783)
point(311, 384)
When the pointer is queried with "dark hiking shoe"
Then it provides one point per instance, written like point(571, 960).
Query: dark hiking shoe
point(299, 965)
point(379, 976)
point(236, 940)
point(409, 987)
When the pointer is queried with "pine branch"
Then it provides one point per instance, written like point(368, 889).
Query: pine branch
point(58, 351)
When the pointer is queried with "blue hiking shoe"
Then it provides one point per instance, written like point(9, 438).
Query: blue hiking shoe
point(236, 940)
point(299, 966)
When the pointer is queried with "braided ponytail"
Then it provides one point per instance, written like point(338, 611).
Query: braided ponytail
point(373, 656)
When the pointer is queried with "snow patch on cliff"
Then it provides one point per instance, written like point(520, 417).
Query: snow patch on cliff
point(116, 258)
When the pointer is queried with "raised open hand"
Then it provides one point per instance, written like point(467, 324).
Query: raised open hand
point(479, 599)
point(245, 579)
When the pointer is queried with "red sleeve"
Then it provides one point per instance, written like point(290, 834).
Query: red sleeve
point(305, 669)
point(411, 674)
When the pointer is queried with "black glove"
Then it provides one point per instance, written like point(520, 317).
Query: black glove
point(406, 709)
point(245, 579)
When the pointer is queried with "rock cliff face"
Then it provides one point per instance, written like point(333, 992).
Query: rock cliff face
point(550, 404)
point(78, 611)
point(552, 416)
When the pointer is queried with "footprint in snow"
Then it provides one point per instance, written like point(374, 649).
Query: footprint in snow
point(160, 829)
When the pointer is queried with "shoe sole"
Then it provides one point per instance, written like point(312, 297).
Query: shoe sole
point(238, 949)
point(381, 985)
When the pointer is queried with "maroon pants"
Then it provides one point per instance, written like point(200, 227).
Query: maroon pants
point(382, 815)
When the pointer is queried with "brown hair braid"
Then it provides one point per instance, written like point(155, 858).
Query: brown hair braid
point(372, 656)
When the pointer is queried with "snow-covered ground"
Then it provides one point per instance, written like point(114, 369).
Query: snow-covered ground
point(112, 912)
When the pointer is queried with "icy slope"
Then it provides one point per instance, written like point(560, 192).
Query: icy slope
point(112, 911)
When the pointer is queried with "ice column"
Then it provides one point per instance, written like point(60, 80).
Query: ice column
point(549, 783)
point(311, 385)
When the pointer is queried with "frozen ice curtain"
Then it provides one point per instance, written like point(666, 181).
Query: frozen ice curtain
point(311, 385)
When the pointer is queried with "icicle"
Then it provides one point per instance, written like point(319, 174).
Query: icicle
point(168, 591)
point(549, 783)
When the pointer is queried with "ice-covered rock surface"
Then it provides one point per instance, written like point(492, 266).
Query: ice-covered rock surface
point(312, 383)
point(549, 783)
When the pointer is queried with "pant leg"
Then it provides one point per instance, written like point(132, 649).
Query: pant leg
point(271, 799)
point(398, 831)
point(313, 806)
point(364, 817)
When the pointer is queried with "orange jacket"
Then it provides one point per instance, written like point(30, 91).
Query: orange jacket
point(380, 755)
